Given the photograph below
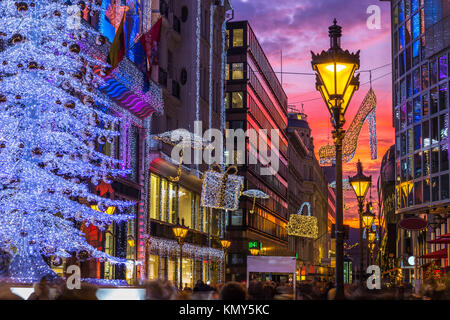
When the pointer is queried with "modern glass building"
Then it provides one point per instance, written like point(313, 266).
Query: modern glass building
point(420, 55)
point(420, 100)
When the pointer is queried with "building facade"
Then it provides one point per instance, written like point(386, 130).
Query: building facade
point(190, 71)
point(255, 100)
point(420, 53)
point(127, 80)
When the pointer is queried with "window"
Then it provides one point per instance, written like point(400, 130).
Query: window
point(444, 126)
point(426, 190)
point(435, 188)
point(418, 192)
point(237, 100)
point(443, 67)
point(417, 137)
point(443, 95)
point(444, 157)
point(426, 133)
point(418, 165)
point(424, 76)
point(425, 105)
point(185, 203)
point(238, 37)
point(444, 186)
point(433, 72)
point(434, 131)
point(154, 196)
point(237, 71)
point(227, 100)
point(236, 218)
point(227, 72)
point(434, 100)
point(435, 160)
point(417, 109)
point(426, 163)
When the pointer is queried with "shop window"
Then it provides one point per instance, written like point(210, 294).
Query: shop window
point(154, 196)
point(187, 278)
point(237, 71)
point(185, 206)
point(164, 200)
point(238, 37)
point(172, 269)
point(237, 100)
point(153, 267)
point(172, 194)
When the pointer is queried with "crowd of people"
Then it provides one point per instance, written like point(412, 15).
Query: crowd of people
point(257, 290)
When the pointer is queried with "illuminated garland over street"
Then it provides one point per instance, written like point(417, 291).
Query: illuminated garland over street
point(367, 109)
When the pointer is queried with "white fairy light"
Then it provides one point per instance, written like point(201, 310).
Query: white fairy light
point(48, 133)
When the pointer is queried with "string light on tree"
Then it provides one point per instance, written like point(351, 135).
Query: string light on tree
point(49, 129)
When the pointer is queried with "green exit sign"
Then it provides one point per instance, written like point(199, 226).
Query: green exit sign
point(254, 245)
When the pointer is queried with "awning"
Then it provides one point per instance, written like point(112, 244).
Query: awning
point(447, 235)
point(130, 100)
point(441, 240)
point(440, 254)
point(413, 224)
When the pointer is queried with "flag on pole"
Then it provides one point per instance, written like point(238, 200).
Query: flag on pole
point(117, 50)
point(150, 42)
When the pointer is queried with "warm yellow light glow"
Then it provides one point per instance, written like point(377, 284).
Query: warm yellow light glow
point(339, 67)
point(254, 251)
point(336, 82)
point(345, 99)
point(225, 244)
point(371, 236)
point(180, 232)
point(360, 187)
point(109, 210)
point(368, 219)
point(131, 243)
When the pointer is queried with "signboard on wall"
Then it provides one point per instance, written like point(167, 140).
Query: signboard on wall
point(271, 264)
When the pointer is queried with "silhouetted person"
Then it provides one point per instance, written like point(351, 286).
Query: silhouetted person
point(233, 291)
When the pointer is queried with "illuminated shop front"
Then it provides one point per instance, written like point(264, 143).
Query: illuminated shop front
point(202, 255)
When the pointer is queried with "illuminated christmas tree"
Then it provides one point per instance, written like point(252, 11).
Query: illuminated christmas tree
point(50, 125)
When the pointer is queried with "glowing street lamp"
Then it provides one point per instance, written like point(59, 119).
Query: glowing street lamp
point(368, 217)
point(371, 235)
point(180, 231)
point(225, 245)
point(336, 83)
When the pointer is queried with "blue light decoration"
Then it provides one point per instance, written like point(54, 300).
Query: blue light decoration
point(49, 129)
point(105, 25)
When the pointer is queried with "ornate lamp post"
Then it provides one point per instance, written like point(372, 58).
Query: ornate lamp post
point(254, 251)
point(180, 231)
point(360, 184)
point(336, 83)
point(225, 245)
point(368, 218)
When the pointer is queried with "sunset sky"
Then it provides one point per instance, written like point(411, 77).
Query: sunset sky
point(298, 26)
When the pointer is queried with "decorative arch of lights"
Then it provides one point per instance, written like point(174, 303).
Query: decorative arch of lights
point(367, 110)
